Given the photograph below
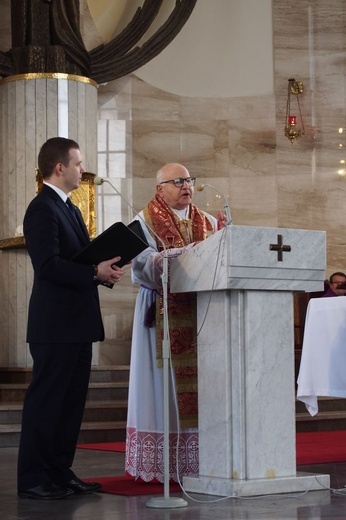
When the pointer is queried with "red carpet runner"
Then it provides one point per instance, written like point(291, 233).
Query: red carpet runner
point(311, 448)
point(127, 485)
point(104, 446)
point(321, 447)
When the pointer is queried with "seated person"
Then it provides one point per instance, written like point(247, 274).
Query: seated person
point(336, 282)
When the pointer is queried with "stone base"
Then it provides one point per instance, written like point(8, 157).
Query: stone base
point(255, 487)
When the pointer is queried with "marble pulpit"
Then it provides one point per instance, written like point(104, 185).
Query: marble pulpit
point(245, 278)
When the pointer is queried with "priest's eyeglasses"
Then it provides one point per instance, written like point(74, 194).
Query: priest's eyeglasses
point(179, 181)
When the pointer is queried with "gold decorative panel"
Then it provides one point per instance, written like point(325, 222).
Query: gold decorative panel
point(83, 197)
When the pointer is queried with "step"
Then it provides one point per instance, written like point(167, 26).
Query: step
point(111, 391)
point(115, 373)
point(331, 415)
point(105, 412)
point(15, 392)
point(15, 375)
point(11, 413)
point(12, 392)
point(323, 421)
point(110, 374)
point(325, 404)
point(321, 416)
point(9, 435)
point(91, 432)
point(103, 421)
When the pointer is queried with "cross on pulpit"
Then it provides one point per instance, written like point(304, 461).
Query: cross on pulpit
point(279, 247)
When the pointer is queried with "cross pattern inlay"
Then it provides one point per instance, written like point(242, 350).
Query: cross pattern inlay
point(280, 247)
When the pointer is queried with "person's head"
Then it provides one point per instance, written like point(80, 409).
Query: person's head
point(334, 280)
point(60, 163)
point(172, 187)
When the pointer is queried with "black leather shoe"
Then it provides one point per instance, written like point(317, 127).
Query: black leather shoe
point(47, 491)
point(79, 486)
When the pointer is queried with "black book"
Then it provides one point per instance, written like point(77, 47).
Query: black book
point(117, 240)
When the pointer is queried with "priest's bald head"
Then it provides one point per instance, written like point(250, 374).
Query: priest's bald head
point(175, 185)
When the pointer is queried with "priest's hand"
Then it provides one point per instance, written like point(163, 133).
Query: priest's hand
point(221, 219)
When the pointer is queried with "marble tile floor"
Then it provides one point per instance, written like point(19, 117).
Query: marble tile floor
point(100, 506)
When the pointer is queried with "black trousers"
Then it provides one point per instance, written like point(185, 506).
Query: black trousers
point(52, 413)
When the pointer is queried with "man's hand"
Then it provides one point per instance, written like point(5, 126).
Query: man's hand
point(109, 272)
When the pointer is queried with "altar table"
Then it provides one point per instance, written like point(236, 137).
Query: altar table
point(322, 369)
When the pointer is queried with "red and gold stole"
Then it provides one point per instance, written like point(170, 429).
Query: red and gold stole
point(176, 232)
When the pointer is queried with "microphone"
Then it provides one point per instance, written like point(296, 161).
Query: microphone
point(99, 180)
point(200, 187)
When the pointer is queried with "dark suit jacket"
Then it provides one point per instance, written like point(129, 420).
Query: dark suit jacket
point(64, 304)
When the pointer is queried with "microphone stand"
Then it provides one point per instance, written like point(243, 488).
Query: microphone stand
point(167, 501)
point(201, 187)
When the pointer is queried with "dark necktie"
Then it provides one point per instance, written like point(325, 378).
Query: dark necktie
point(71, 207)
point(73, 210)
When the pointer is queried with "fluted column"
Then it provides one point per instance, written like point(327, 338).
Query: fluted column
point(33, 108)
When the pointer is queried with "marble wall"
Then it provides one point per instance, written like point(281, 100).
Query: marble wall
point(238, 144)
point(235, 144)
point(309, 44)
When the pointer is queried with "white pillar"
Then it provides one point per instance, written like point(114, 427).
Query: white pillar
point(33, 108)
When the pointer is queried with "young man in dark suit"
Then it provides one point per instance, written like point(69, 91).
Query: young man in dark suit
point(64, 319)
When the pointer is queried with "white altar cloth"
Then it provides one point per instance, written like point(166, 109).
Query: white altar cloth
point(323, 363)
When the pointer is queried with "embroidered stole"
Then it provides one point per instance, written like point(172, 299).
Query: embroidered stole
point(182, 308)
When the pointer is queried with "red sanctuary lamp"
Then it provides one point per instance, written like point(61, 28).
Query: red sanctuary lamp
point(291, 131)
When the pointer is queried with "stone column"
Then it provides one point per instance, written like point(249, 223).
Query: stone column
point(33, 108)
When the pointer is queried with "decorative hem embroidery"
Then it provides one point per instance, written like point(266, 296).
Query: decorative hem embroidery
point(145, 453)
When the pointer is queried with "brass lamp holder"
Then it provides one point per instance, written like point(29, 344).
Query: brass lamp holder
point(291, 130)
